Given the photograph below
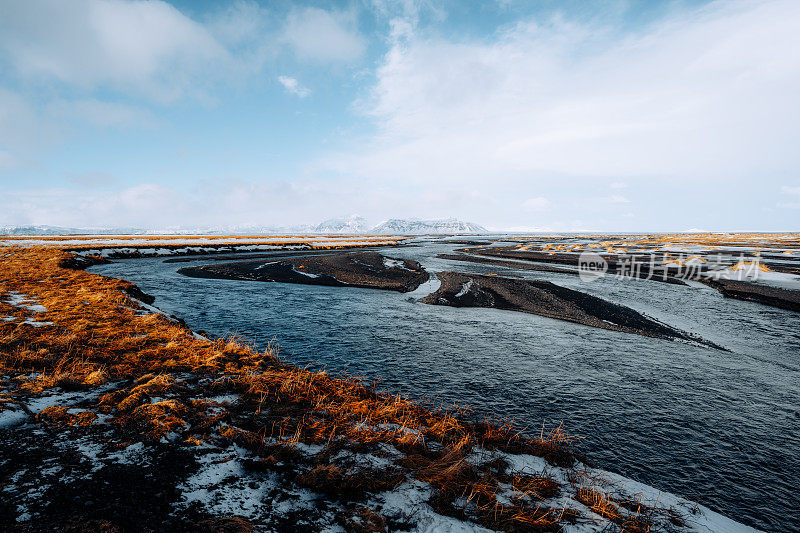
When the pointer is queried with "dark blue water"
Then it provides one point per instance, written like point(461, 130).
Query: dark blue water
point(720, 428)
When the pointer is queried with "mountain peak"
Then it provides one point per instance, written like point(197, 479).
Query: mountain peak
point(345, 225)
point(415, 226)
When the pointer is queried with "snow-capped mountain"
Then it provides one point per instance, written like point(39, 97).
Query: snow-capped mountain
point(350, 225)
point(399, 226)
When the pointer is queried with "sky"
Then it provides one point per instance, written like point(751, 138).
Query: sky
point(545, 115)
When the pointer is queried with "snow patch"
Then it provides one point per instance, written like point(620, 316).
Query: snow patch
point(389, 262)
point(34, 323)
point(12, 417)
point(222, 486)
point(775, 279)
point(224, 398)
point(408, 502)
point(20, 300)
point(464, 289)
point(308, 274)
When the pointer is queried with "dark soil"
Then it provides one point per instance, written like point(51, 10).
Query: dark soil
point(351, 269)
point(82, 262)
point(753, 292)
point(550, 300)
point(510, 264)
point(80, 496)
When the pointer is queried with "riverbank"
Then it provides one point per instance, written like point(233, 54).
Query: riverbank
point(103, 394)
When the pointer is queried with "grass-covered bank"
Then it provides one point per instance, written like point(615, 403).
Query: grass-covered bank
point(138, 395)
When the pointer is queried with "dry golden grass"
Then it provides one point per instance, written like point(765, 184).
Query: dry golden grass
point(750, 266)
point(99, 337)
point(59, 416)
point(158, 381)
point(789, 240)
point(189, 238)
point(143, 243)
point(623, 244)
point(716, 240)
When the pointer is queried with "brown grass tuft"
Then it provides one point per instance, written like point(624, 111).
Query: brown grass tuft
point(100, 336)
point(348, 483)
point(58, 415)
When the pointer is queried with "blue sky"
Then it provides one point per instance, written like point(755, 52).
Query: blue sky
point(549, 115)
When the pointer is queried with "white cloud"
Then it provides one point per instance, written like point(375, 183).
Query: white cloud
point(240, 23)
point(250, 33)
point(328, 36)
point(525, 229)
point(101, 114)
point(83, 62)
point(709, 94)
point(224, 202)
point(28, 130)
point(143, 205)
point(147, 47)
point(293, 86)
point(793, 191)
point(539, 203)
point(556, 110)
point(102, 63)
point(23, 130)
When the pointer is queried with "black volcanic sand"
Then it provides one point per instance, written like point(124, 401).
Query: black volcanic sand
point(74, 496)
point(501, 263)
point(542, 257)
point(352, 269)
point(550, 300)
point(663, 274)
point(754, 292)
point(776, 262)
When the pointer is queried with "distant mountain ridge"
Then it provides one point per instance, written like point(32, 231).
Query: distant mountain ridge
point(423, 227)
point(352, 225)
point(58, 230)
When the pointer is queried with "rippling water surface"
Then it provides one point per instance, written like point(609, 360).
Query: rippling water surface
point(721, 428)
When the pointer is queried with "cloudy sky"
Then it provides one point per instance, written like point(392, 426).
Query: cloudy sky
point(524, 115)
